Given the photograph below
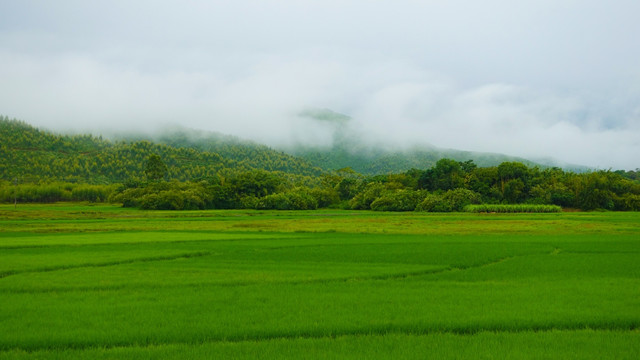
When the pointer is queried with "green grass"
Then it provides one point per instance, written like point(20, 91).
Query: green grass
point(580, 344)
point(111, 283)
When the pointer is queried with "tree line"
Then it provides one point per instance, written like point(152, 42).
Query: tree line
point(37, 166)
point(448, 186)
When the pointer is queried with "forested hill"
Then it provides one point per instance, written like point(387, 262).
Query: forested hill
point(248, 153)
point(31, 155)
point(372, 160)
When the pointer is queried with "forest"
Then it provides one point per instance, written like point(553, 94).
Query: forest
point(40, 166)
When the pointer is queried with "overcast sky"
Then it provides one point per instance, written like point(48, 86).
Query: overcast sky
point(532, 78)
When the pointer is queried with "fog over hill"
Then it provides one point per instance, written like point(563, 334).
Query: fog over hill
point(349, 145)
point(533, 79)
point(332, 141)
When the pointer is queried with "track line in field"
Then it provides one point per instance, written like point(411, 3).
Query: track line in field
point(601, 252)
point(381, 330)
point(343, 245)
point(410, 274)
point(382, 277)
point(109, 263)
point(53, 246)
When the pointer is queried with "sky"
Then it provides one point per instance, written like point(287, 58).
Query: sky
point(531, 78)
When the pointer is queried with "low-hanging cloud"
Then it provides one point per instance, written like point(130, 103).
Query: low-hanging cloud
point(407, 73)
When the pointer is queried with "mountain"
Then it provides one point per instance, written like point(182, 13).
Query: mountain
point(32, 155)
point(369, 158)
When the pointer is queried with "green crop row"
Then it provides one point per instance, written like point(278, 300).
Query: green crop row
point(518, 208)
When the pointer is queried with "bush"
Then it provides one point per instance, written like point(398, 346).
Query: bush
point(128, 197)
point(192, 200)
point(249, 202)
point(164, 200)
point(459, 198)
point(325, 197)
point(452, 200)
point(521, 208)
point(301, 200)
point(273, 202)
point(298, 199)
point(627, 202)
point(434, 203)
point(164, 196)
point(43, 193)
point(363, 200)
point(398, 200)
point(92, 193)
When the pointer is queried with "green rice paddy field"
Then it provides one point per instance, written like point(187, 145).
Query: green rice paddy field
point(102, 282)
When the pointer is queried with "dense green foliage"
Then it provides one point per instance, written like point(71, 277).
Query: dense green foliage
point(56, 191)
point(107, 282)
point(452, 185)
point(155, 169)
point(185, 173)
point(246, 190)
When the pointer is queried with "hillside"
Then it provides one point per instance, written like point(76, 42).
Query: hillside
point(246, 153)
point(33, 155)
point(369, 158)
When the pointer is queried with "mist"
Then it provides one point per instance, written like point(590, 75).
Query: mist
point(533, 79)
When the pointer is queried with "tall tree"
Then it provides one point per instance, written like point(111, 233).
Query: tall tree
point(156, 168)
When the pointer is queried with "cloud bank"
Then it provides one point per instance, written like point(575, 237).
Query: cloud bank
point(534, 78)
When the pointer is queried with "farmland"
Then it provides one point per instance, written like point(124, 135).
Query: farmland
point(99, 281)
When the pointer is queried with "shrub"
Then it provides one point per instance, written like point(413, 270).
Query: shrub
point(249, 202)
point(452, 200)
point(363, 200)
point(45, 193)
point(457, 199)
point(297, 199)
point(627, 202)
point(301, 200)
point(164, 196)
point(273, 202)
point(192, 200)
point(398, 200)
point(164, 200)
point(325, 197)
point(520, 208)
point(434, 203)
point(92, 193)
point(128, 197)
